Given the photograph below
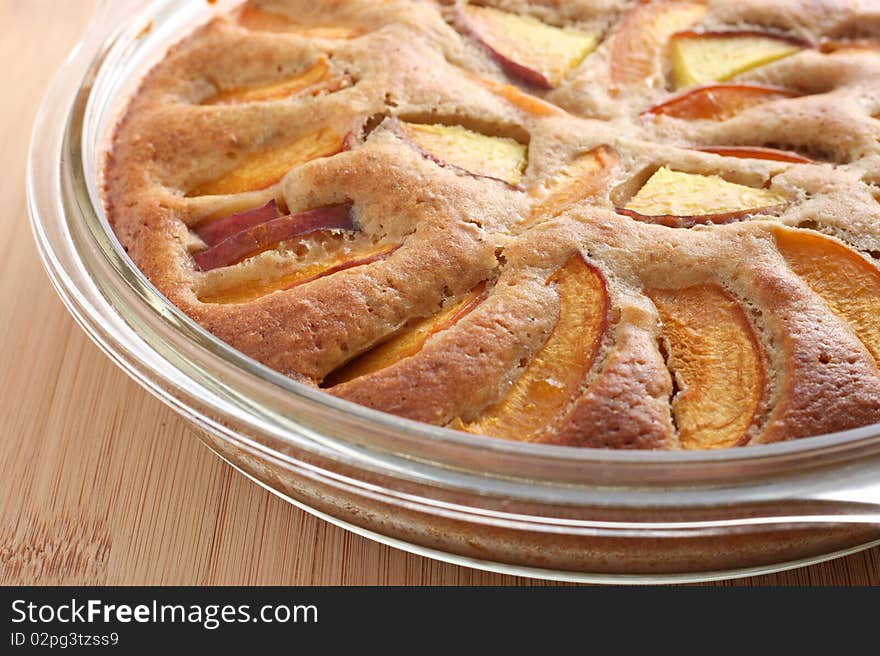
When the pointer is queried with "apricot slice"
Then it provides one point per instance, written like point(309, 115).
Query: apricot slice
point(526, 48)
point(408, 342)
point(704, 57)
point(556, 373)
point(682, 200)
point(265, 168)
point(492, 157)
point(249, 291)
point(642, 35)
point(260, 20)
point(582, 178)
point(262, 235)
point(718, 102)
point(716, 360)
point(312, 81)
point(751, 152)
point(845, 280)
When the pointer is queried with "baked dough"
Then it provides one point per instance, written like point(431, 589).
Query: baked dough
point(441, 233)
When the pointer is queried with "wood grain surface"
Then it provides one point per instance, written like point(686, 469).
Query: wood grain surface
point(100, 483)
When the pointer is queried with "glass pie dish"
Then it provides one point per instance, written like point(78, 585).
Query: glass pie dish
point(535, 510)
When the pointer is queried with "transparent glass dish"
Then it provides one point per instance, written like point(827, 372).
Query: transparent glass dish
point(544, 511)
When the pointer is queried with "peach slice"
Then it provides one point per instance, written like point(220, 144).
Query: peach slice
point(683, 200)
point(249, 291)
point(642, 35)
point(213, 231)
point(846, 281)
point(704, 57)
point(556, 373)
point(515, 96)
point(718, 102)
point(408, 342)
point(265, 168)
point(526, 48)
point(714, 356)
point(849, 45)
point(500, 158)
point(261, 20)
point(264, 234)
point(753, 152)
point(314, 80)
point(582, 178)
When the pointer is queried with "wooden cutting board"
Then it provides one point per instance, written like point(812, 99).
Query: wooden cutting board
point(100, 483)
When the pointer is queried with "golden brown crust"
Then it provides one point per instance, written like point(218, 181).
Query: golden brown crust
point(444, 232)
point(627, 406)
point(830, 382)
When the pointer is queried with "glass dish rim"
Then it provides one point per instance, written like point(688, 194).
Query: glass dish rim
point(843, 444)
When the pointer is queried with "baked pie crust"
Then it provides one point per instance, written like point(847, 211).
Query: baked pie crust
point(597, 223)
